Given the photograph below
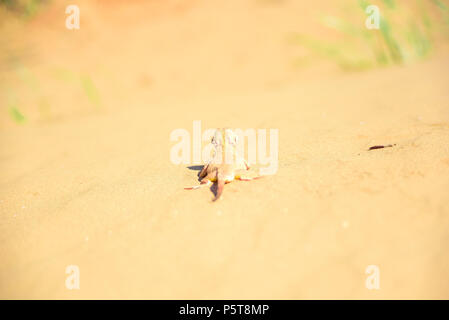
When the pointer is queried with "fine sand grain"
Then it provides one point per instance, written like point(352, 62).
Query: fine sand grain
point(93, 186)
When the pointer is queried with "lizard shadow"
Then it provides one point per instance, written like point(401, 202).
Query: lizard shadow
point(213, 188)
point(197, 168)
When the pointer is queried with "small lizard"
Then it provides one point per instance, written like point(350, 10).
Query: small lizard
point(225, 163)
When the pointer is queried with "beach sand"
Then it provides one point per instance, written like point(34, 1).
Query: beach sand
point(90, 183)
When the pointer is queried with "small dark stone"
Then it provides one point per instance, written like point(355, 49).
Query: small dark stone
point(380, 147)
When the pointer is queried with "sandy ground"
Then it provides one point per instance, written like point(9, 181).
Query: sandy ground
point(93, 186)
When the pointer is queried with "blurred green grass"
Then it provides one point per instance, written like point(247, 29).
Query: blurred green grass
point(408, 31)
point(90, 90)
point(15, 114)
point(23, 8)
point(36, 96)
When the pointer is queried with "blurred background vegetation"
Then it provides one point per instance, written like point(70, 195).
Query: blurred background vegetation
point(23, 8)
point(409, 30)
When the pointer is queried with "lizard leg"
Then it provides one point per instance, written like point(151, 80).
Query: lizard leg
point(203, 172)
point(203, 183)
point(246, 164)
point(243, 177)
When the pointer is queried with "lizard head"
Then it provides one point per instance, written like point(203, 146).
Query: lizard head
point(224, 137)
point(224, 141)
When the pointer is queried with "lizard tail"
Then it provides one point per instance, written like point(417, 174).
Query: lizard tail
point(220, 186)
